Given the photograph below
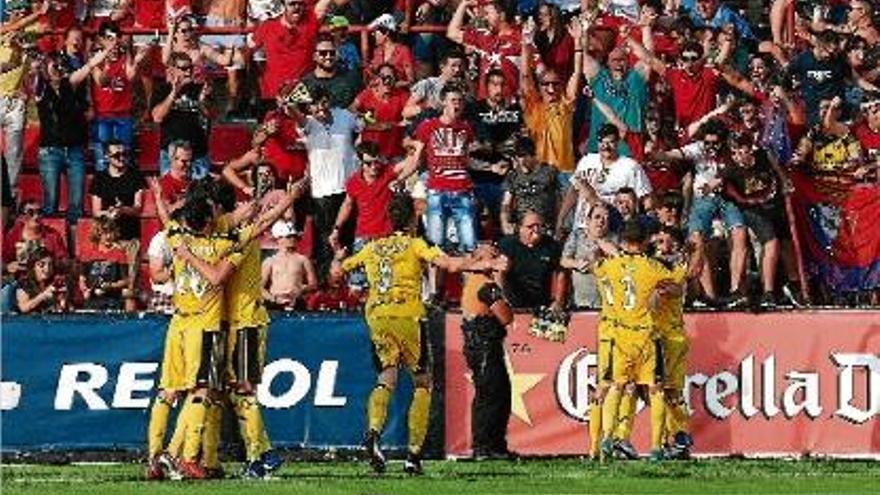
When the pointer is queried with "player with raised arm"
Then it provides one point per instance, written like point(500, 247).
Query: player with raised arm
point(394, 265)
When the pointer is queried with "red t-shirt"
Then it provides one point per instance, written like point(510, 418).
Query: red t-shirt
point(281, 150)
point(869, 139)
point(694, 96)
point(150, 13)
point(389, 111)
point(371, 201)
point(113, 97)
point(172, 188)
point(50, 239)
point(446, 153)
point(497, 51)
point(288, 51)
point(401, 59)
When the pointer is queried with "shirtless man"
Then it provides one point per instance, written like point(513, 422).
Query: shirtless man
point(287, 275)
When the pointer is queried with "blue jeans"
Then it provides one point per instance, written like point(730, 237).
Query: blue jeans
point(460, 206)
point(106, 129)
point(198, 169)
point(705, 209)
point(52, 161)
point(7, 297)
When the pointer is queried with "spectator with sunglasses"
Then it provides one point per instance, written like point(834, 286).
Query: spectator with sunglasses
point(529, 186)
point(709, 157)
point(342, 85)
point(387, 51)
point(383, 102)
point(288, 42)
point(118, 192)
point(27, 235)
point(180, 107)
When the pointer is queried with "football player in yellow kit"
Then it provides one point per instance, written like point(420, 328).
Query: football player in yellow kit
point(628, 284)
point(669, 320)
point(194, 347)
point(394, 266)
point(248, 323)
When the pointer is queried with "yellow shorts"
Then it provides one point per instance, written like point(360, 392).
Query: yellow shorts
point(246, 351)
point(675, 353)
point(192, 357)
point(634, 358)
point(397, 341)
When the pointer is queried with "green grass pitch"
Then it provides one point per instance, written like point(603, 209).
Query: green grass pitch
point(557, 476)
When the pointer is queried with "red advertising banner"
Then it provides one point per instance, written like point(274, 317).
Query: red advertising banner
point(785, 383)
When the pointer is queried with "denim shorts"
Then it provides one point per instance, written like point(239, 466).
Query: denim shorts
point(705, 209)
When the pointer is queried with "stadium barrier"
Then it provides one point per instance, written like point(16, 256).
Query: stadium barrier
point(84, 382)
point(772, 384)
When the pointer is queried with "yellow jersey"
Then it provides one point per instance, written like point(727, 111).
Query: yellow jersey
point(626, 284)
point(12, 75)
point(244, 295)
point(669, 312)
point(196, 301)
point(394, 266)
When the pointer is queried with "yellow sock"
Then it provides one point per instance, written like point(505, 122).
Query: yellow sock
point(658, 414)
point(626, 413)
point(377, 407)
point(250, 423)
point(193, 413)
point(418, 418)
point(676, 417)
point(157, 426)
point(609, 412)
point(175, 445)
point(211, 434)
point(595, 428)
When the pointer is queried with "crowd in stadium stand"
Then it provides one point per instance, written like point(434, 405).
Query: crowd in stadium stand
point(750, 130)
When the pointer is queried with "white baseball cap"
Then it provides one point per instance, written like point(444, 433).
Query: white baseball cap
point(385, 21)
point(283, 228)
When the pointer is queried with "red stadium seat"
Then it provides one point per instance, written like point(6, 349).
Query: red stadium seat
point(149, 227)
point(59, 225)
point(31, 148)
point(147, 148)
point(84, 248)
point(30, 188)
point(228, 141)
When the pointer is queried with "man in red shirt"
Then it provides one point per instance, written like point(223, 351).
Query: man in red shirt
point(499, 47)
point(175, 182)
point(694, 85)
point(447, 141)
point(288, 42)
point(385, 102)
point(283, 147)
point(369, 190)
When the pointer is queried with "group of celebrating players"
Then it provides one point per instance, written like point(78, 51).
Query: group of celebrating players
point(216, 341)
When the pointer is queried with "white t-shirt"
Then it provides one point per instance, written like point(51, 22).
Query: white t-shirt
point(331, 153)
point(705, 170)
point(625, 172)
point(159, 249)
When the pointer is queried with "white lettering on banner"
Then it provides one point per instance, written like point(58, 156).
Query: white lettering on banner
point(128, 383)
point(572, 395)
point(302, 383)
point(326, 384)
point(846, 382)
point(576, 382)
point(136, 380)
point(69, 384)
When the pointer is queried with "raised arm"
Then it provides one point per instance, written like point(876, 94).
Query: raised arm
point(321, 8)
point(578, 32)
point(215, 273)
point(455, 30)
point(25, 21)
point(81, 74)
point(235, 167)
point(526, 76)
point(410, 164)
point(294, 191)
point(647, 57)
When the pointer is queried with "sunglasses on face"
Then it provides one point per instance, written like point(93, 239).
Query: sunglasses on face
point(31, 212)
point(185, 68)
point(116, 155)
point(326, 53)
point(690, 58)
point(387, 79)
